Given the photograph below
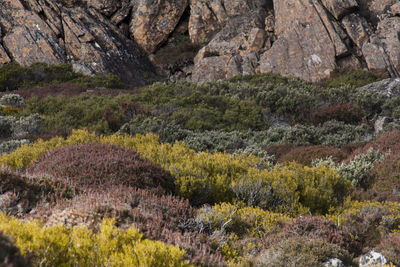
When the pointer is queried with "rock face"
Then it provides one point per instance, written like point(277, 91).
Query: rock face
point(305, 38)
point(45, 31)
point(308, 39)
point(153, 21)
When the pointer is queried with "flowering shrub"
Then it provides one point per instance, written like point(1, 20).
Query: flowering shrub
point(80, 246)
point(358, 169)
point(99, 165)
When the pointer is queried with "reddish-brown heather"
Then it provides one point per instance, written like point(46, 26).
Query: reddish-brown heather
point(348, 113)
point(279, 150)
point(20, 194)
point(390, 248)
point(160, 217)
point(387, 172)
point(312, 227)
point(305, 155)
point(100, 166)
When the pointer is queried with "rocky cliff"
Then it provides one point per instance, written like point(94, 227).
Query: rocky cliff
point(309, 39)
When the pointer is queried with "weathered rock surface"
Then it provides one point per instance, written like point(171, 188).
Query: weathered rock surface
point(388, 87)
point(308, 39)
point(44, 31)
point(153, 21)
point(372, 258)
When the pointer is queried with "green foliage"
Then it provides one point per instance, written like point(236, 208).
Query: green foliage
point(104, 114)
point(358, 169)
point(12, 100)
point(80, 246)
point(355, 78)
point(239, 219)
point(14, 76)
point(9, 146)
point(207, 178)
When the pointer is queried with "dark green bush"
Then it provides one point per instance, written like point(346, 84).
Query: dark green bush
point(14, 76)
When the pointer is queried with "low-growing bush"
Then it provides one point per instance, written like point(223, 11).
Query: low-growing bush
point(299, 251)
point(238, 219)
point(358, 170)
point(368, 222)
point(99, 165)
point(347, 113)
point(310, 227)
point(207, 178)
point(14, 76)
point(104, 114)
point(12, 100)
point(355, 78)
point(10, 146)
point(165, 218)
point(59, 245)
point(21, 194)
point(306, 155)
point(390, 248)
point(10, 256)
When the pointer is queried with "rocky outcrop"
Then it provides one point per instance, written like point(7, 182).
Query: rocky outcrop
point(308, 39)
point(153, 21)
point(45, 31)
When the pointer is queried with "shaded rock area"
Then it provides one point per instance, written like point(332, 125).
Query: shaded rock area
point(46, 31)
point(308, 39)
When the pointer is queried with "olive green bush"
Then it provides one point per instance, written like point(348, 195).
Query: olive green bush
point(14, 76)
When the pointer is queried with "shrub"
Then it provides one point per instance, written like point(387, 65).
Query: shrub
point(369, 221)
point(207, 178)
point(358, 170)
point(59, 245)
point(311, 227)
point(99, 165)
point(347, 113)
point(299, 251)
point(306, 155)
point(10, 255)
point(20, 194)
point(14, 76)
point(165, 218)
point(10, 146)
point(355, 78)
point(390, 248)
point(238, 219)
point(12, 100)
point(104, 114)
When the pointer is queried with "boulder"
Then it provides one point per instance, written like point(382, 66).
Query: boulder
point(305, 46)
point(153, 21)
point(340, 8)
point(209, 16)
point(382, 51)
point(333, 263)
point(388, 87)
point(372, 258)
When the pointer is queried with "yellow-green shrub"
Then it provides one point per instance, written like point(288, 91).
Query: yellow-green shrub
point(208, 178)
point(80, 246)
point(240, 219)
